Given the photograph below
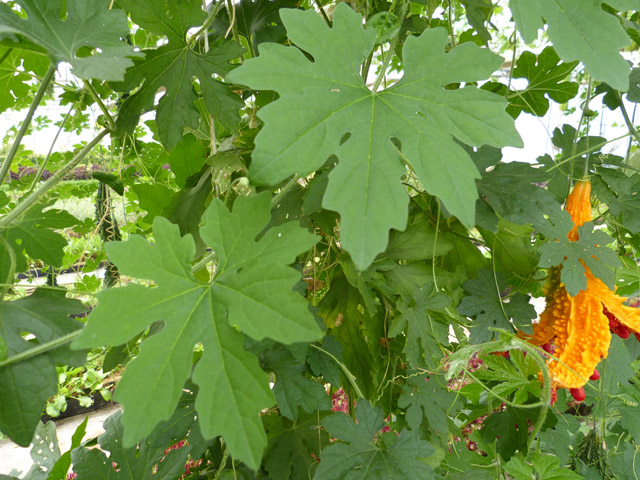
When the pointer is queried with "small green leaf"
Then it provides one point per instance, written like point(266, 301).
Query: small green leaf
point(44, 453)
point(292, 389)
point(590, 248)
point(547, 77)
point(426, 397)
point(364, 457)
point(426, 332)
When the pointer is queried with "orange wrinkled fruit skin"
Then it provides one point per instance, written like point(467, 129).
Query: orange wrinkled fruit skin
point(577, 325)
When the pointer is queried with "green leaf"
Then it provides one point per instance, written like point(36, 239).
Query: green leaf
point(33, 237)
point(172, 67)
point(518, 375)
point(61, 467)
point(542, 467)
point(509, 429)
point(15, 76)
point(292, 388)
point(364, 457)
point(325, 108)
point(44, 453)
point(186, 160)
point(527, 14)
point(27, 385)
point(426, 396)
point(511, 248)
point(152, 198)
point(87, 23)
point(292, 444)
point(251, 292)
point(590, 248)
point(111, 180)
point(580, 30)
point(490, 310)
point(623, 5)
point(509, 189)
point(140, 461)
point(417, 242)
point(478, 12)
point(426, 332)
point(322, 364)
point(187, 207)
point(257, 20)
point(358, 333)
point(547, 77)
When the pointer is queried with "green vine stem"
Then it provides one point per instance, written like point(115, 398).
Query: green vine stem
point(27, 121)
point(627, 120)
point(390, 52)
point(12, 267)
point(40, 349)
point(350, 376)
point(35, 196)
point(49, 153)
point(101, 105)
point(207, 23)
point(283, 191)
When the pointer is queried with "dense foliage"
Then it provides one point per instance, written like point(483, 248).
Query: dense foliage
point(316, 262)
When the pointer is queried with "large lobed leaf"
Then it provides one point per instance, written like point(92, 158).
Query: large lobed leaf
point(27, 385)
point(580, 30)
point(251, 292)
point(88, 23)
point(325, 108)
point(172, 67)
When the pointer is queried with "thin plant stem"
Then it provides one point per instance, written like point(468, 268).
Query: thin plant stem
point(627, 120)
point(207, 23)
point(322, 12)
point(12, 267)
point(101, 105)
point(27, 121)
point(40, 349)
point(231, 8)
point(35, 196)
point(392, 47)
point(451, 34)
point(6, 54)
point(283, 191)
point(48, 157)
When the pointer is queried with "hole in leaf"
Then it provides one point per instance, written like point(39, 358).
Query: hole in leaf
point(396, 143)
point(345, 137)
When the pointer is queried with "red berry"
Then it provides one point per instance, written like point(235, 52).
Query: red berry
point(595, 375)
point(554, 396)
point(622, 331)
point(578, 394)
point(547, 347)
